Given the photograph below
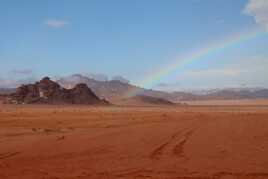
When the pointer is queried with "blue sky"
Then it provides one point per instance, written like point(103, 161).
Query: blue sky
point(133, 38)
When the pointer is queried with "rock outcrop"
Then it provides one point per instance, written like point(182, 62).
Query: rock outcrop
point(47, 91)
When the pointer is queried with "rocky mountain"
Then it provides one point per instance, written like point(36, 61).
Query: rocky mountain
point(111, 90)
point(115, 90)
point(47, 91)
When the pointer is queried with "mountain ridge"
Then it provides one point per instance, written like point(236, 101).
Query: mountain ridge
point(116, 90)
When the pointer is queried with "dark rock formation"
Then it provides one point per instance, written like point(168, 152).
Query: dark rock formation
point(145, 100)
point(49, 92)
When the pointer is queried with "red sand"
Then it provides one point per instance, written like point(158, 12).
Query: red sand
point(67, 142)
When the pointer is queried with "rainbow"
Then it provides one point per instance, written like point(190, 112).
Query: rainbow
point(180, 62)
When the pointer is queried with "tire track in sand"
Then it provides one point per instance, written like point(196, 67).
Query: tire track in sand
point(175, 144)
point(8, 155)
point(179, 148)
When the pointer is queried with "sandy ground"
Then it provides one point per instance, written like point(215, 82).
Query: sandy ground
point(241, 102)
point(190, 142)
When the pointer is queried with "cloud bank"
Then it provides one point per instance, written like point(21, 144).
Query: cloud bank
point(56, 23)
point(259, 10)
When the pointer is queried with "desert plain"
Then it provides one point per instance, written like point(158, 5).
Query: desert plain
point(108, 142)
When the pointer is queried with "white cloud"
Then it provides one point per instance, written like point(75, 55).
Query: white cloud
point(259, 10)
point(55, 23)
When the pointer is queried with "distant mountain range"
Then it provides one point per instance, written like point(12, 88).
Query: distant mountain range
point(5, 91)
point(116, 90)
point(235, 94)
